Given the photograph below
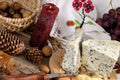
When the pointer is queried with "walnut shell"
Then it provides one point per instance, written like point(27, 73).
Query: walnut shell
point(16, 15)
point(16, 6)
point(4, 14)
point(25, 13)
point(4, 5)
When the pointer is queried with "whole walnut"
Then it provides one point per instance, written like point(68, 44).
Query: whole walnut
point(16, 15)
point(16, 6)
point(25, 13)
point(4, 5)
point(4, 14)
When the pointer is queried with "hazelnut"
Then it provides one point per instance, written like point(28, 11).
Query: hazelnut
point(47, 51)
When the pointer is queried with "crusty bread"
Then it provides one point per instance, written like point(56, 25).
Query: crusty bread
point(6, 63)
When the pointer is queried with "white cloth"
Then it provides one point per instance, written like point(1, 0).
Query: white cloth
point(68, 13)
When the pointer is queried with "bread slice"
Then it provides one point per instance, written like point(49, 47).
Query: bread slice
point(6, 63)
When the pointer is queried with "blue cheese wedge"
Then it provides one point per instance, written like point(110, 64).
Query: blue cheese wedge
point(71, 60)
point(100, 56)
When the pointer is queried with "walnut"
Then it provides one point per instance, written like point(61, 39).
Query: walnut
point(16, 15)
point(4, 14)
point(16, 6)
point(25, 13)
point(3, 5)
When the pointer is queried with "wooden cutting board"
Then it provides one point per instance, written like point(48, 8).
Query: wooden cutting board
point(55, 66)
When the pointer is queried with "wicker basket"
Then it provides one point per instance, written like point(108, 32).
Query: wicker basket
point(15, 25)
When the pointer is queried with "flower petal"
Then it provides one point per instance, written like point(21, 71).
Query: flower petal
point(87, 11)
point(92, 7)
point(84, 5)
point(89, 2)
point(83, 0)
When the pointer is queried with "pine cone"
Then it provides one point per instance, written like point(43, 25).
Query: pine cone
point(34, 55)
point(10, 43)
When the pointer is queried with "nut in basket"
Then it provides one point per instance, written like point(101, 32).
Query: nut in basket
point(16, 15)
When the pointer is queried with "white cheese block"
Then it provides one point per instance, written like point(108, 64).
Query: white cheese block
point(100, 56)
point(71, 60)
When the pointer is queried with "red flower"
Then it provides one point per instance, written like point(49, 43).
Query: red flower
point(88, 6)
point(76, 4)
point(70, 23)
point(83, 0)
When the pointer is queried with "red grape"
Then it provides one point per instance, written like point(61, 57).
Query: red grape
point(114, 37)
point(106, 17)
point(118, 17)
point(111, 31)
point(118, 11)
point(99, 21)
point(106, 26)
point(117, 31)
point(118, 38)
point(111, 23)
point(118, 23)
point(112, 12)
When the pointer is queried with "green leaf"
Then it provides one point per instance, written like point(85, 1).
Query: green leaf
point(89, 22)
point(77, 22)
point(111, 4)
point(80, 15)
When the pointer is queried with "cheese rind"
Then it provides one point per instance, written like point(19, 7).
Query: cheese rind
point(100, 56)
point(71, 60)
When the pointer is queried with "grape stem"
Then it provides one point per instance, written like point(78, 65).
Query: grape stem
point(111, 4)
point(83, 18)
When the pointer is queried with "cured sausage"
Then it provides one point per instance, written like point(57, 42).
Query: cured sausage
point(44, 25)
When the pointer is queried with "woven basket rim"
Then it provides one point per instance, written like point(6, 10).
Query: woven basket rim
point(33, 13)
point(18, 24)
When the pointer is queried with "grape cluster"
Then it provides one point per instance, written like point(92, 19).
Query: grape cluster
point(111, 23)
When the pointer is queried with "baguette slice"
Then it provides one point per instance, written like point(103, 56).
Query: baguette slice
point(6, 63)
